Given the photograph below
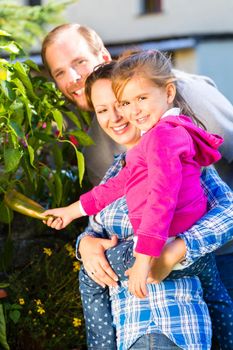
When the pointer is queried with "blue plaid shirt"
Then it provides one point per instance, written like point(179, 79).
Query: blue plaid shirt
point(173, 307)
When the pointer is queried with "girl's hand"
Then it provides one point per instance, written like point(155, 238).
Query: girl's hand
point(92, 251)
point(138, 275)
point(172, 254)
point(61, 217)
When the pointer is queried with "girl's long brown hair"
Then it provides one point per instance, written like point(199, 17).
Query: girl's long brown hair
point(154, 66)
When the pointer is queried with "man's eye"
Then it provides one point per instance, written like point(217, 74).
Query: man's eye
point(58, 74)
point(82, 61)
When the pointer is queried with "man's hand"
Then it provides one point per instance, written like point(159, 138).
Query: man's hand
point(92, 251)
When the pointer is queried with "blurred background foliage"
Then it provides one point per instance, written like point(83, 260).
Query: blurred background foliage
point(41, 141)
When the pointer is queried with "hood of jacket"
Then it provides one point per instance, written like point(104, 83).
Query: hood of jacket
point(206, 144)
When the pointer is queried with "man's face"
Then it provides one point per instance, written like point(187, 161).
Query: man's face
point(71, 61)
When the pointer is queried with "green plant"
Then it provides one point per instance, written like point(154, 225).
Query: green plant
point(45, 294)
point(37, 150)
point(28, 24)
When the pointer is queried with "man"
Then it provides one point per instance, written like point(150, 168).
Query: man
point(71, 51)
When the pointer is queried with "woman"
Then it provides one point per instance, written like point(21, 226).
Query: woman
point(172, 330)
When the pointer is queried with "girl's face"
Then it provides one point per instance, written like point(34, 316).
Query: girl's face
point(143, 103)
point(110, 120)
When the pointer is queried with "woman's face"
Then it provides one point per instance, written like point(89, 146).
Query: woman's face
point(114, 124)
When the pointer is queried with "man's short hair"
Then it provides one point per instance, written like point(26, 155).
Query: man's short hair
point(93, 40)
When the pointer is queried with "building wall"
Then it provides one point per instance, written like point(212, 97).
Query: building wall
point(215, 60)
point(120, 20)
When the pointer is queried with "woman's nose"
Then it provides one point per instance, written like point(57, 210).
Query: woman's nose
point(115, 116)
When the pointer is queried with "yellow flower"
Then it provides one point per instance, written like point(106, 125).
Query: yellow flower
point(38, 302)
point(47, 251)
point(77, 322)
point(40, 310)
point(21, 301)
point(70, 250)
point(76, 266)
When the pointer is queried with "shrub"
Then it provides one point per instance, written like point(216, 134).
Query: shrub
point(45, 296)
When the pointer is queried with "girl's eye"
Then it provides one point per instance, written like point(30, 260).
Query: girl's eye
point(141, 98)
point(124, 104)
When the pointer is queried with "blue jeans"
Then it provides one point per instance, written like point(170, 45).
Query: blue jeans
point(97, 306)
point(154, 341)
point(225, 265)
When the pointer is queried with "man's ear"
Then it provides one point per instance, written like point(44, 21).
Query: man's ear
point(171, 92)
point(106, 55)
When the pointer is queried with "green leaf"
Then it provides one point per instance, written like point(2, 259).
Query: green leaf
point(58, 158)
point(32, 65)
point(6, 214)
point(17, 129)
point(57, 115)
point(22, 74)
point(83, 138)
point(58, 188)
point(3, 339)
point(4, 33)
point(11, 47)
point(14, 315)
point(81, 165)
point(73, 117)
point(80, 159)
point(11, 159)
point(86, 116)
point(31, 155)
point(7, 89)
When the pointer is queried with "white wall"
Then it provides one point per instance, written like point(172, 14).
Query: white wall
point(120, 20)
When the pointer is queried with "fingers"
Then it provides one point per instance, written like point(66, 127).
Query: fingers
point(138, 289)
point(56, 223)
point(110, 243)
point(101, 272)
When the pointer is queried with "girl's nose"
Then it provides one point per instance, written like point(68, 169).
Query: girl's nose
point(134, 110)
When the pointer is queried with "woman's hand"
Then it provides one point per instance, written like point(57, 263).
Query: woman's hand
point(61, 217)
point(92, 251)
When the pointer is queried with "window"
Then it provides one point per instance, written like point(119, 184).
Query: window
point(34, 2)
point(151, 6)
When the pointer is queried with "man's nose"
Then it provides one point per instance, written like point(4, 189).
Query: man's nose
point(74, 75)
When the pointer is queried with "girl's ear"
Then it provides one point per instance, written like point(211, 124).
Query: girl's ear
point(171, 92)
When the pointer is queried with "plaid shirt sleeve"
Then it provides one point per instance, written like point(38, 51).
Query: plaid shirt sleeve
point(94, 229)
point(216, 227)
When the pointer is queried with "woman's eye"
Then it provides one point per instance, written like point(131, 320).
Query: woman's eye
point(101, 111)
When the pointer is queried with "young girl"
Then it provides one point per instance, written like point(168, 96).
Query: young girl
point(161, 178)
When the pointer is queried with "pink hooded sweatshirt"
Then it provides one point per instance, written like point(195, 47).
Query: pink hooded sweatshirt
point(161, 181)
